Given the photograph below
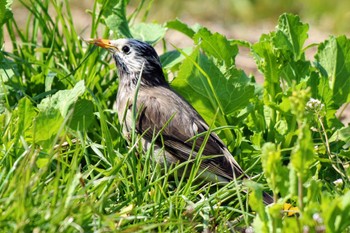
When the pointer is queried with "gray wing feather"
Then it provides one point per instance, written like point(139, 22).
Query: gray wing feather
point(164, 111)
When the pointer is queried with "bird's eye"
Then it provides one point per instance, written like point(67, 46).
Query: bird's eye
point(126, 49)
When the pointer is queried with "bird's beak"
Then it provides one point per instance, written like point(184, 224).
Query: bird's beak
point(103, 43)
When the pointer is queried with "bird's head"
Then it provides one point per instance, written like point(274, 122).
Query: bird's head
point(133, 57)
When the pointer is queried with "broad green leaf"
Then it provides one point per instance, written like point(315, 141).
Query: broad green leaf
point(257, 140)
point(296, 71)
point(26, 114)
point(118, 26)
point(5, 11)
point(216, 45)
point(282, 127)
point(336, 213)
point(182, 27)
point(8, 69)
point(194, 87)
point(115, 16)
point(268, 63)
point(83, 115)
point(148, 32)
point(256, 121)
point(174, 57)
point(47, 125)
point(333, 57)
point(59, 107)
point(291, 35)
point(320, 89)
point(63, 100)
point(342, 134)
point(201, 82)
point(280, 54)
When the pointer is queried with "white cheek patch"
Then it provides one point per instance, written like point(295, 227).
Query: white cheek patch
point(133, 64)
point(195, 128)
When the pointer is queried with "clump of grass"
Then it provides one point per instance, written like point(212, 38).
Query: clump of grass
point(66, 167)
point(59, 178)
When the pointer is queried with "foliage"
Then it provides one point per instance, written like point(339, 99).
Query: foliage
point(65, 166)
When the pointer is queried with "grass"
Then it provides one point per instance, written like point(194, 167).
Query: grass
point(87, 179)
point(65, 166)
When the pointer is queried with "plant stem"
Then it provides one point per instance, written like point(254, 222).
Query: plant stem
point(300, 191)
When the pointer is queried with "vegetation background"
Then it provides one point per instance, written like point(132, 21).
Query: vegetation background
point(66, 168)
point(243, 19)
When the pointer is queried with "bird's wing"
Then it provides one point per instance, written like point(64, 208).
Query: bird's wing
point(162, 110)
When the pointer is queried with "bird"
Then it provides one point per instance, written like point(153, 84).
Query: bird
point(162, 111)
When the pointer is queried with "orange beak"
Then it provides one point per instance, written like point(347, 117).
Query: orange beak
point(103, 43)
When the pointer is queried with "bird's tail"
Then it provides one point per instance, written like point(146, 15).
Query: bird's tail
point(268, 199)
